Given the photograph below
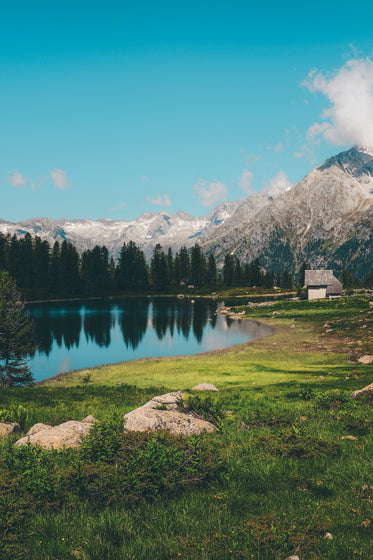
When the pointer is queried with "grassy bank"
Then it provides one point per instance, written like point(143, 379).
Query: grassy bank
point(272, 481)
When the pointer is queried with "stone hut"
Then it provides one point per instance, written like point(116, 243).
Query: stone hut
point(321, 284)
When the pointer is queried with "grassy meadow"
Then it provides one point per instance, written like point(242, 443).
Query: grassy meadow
point(272, 481)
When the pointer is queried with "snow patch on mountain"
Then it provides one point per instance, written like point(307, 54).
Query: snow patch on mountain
point(170, 230)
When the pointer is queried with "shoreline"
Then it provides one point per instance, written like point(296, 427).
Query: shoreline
point(178, 357)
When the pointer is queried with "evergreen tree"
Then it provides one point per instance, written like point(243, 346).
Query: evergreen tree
point(41, 267)
point(177, 275)
point(3, 252)
point(171, 267)
point(112, 273)
point(13, 264)
point(132, 270)
point(238, 275)
point(228, 270)
point(15, 336)
point(211, 271)
point(348, 279)
point(197, 266)
point(184, 266)
point(268, 279)
point(94, 271)
point(287, 281)
point(25, 277)
point(159, 270)
point(54, 271)
point(69, 270)
point(305, 266)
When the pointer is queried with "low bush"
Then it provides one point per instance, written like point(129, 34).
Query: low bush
point(206, 408)
point(103, 441)
point(15, 414)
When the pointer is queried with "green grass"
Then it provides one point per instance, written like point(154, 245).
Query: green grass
point(269, 483)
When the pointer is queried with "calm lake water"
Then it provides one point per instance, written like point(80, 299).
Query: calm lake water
point(85, 333)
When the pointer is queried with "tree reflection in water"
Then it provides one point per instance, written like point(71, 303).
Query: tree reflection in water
point(86, 333)
point(62, 323)
point(133, 320)
point(98, 322)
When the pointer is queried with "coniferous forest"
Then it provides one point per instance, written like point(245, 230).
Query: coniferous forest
point(59, 271)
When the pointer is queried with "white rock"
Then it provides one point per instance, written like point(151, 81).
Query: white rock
point(204, 387)
point(161, 413)
point(68, 434)
point(9, 428)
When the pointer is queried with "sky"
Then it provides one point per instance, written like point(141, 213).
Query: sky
point(113, 109)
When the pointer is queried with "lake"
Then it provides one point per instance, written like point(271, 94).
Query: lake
point(73, 335)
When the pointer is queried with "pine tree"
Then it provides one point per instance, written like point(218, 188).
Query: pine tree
point(55, 271)
point(228, 270)
point(238, 275)
point(198, 266)
point(132, 270)
point(41, 266)
point(184, 265)
point(3, 250)
point(159, 270)
point(211, 271)
point(305, 266)
point(15, 336)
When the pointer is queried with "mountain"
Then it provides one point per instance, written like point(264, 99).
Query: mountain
point(170, 230)
point(326, 219)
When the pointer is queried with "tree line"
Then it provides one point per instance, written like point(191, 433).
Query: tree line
point(44, 271)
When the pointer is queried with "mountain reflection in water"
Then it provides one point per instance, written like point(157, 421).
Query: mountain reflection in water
point(77, 334)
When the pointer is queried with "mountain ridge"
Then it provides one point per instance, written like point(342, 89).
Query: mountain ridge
point(170, 230)
point(325, 219)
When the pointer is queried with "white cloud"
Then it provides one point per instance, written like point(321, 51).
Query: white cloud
point(279, 147)
point(349, 120)
point(245, 181)
point(305, 152)
point(59, 178)
point(17, 180)
point(159, 201)
point(121, 205)
point(280, 183)
point(210, 193)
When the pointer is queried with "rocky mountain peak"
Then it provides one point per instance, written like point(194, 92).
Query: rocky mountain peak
point(357, 162)
point(326, 219)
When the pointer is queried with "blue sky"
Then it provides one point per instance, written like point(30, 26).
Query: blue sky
point(112, 109)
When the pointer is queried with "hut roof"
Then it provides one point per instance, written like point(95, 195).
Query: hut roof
point(319, 278)
point(335, 288)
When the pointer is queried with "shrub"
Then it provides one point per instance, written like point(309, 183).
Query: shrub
point(203, 407)
point(15, 414)
point(103, 441)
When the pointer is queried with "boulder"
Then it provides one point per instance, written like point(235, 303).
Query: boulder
point(204, 387)
point(89, 418)
point(364, 391)
point(9, 428)
point(366, 360)
point(68, 434)
point(161, 413)
point(37, 428)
